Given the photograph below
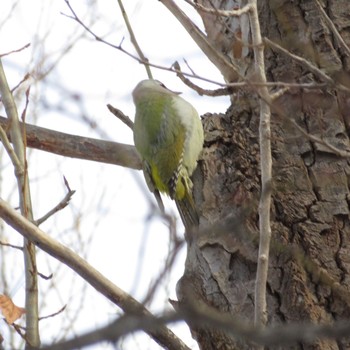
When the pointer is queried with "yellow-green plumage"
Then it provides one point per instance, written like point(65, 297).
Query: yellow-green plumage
point(168, 135)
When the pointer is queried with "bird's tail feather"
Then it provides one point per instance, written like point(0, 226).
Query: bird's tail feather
point(188, 211)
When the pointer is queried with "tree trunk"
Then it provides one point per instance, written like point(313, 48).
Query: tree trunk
point(310, 210)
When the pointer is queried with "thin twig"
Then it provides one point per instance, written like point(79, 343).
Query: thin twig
point(121, 116)
point(24, 112)
point(45, 277)
point(53, 314)
point(344, 153)
point(333, 149)
point(218, 12)
point(66, 183)
point(134, 40)
point(26, 77)
point(218, 92)
point(11, 245)
point(61, 205)
point(309, 66)
point(20, 330)
point(333, 29)
point(230, 88)
point(13, 51)
point(341, 153)
point(188, 66)
point(275, 95)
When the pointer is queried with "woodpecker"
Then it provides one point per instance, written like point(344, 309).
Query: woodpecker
point(168, 135)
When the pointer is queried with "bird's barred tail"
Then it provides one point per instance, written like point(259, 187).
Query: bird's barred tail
point(188, 212)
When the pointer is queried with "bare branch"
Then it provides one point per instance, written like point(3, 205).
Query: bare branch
point(79, 147)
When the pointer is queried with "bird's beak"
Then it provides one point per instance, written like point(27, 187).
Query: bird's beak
point(174, 92)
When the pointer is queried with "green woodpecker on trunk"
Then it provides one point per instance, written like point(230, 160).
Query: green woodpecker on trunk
point(168, 135)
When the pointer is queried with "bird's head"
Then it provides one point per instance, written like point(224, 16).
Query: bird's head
point(151, 85)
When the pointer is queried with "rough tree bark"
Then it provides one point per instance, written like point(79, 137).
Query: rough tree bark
point(310, 182)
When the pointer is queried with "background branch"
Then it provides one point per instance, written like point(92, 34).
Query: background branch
point(31, 279)
point(162, 335)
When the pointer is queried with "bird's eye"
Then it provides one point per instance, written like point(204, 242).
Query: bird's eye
point(161, 84)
